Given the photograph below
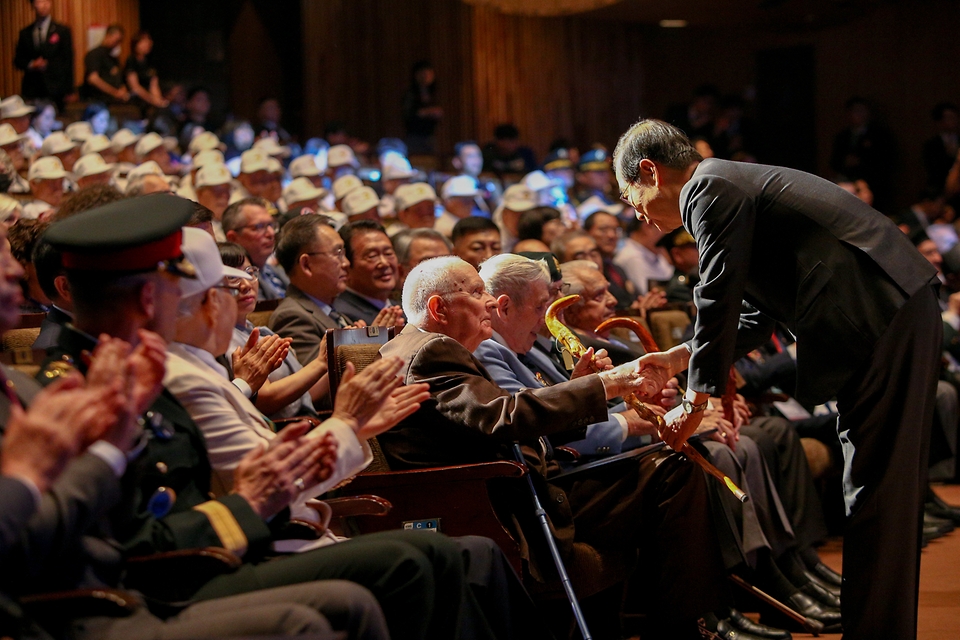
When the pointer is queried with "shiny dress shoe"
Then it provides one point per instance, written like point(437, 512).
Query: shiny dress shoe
point(944, 511)
point(821, 595)
point(810, 608)
point(726, 630)
point(812, 577)
point(743, 623)
point(828, 575)
point(935, 527)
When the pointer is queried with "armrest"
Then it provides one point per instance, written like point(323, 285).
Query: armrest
point(174, 576)
point(435, 475)
point(280, 423)
point(363, 505)
point(565, 454)
point(60, 606)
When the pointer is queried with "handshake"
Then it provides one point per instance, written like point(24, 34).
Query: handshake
point(646, 376)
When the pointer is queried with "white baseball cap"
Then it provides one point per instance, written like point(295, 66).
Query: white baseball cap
point(270, 147)
point(408, 195)
point(344, 185)
point(56, 142)
point(360, 201)
point(90, 165)
point(539, 181)
point(459, 186)
point(302, 189)
point(148, 143)
point(274, 166)
point(200, 249)
point(212, 175)
point(519, 198)
point(396, 167)
point(340, 155)
point(95, 144)
point(253, 160)
point(596, 203)
point(8, 206)
point(123, 139)
point(205, 141)
point(46, 168)
point(148, 168)
point(304, 166)
point(210, 156)
point(14, 107)
point(9, 135)
point(79, 131)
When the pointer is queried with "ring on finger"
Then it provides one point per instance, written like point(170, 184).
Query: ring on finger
point(299, 484)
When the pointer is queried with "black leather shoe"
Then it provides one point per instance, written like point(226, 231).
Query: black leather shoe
point(828, 575)
point(821, 595)
point(832, 588)
point(810, 608)
point(943, 511)
point(729, 631)
point(744, 623)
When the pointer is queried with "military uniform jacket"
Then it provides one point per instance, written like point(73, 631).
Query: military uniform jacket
point(175, 457)
point(782, 245)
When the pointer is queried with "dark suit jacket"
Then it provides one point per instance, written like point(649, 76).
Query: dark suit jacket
point(56, 80)
point(300, 318)
point(355, 307)
point(799, 250)
point(468, 418)
point(50, 328)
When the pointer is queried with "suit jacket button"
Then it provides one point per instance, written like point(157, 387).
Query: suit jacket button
point(559, 498)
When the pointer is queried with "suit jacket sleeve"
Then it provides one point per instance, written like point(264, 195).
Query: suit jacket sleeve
point(25, 52)
point(302, 328)
point(721, 218)
point(16, 508)
point(465, 395)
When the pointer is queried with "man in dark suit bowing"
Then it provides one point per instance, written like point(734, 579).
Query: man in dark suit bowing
point(45, 55)
point(781, 245)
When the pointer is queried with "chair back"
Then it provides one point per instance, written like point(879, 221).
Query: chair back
point(20, 338)
point(359, 346)
point(667, 327)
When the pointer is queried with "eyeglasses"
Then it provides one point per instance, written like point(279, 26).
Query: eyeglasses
point(583, 255)
point(336, 253)
point(624, 199)
point(260, 227)
point(232, 290)
point(252, 271)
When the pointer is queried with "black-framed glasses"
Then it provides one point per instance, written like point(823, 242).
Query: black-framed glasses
point(336, 253)
point(261, 227)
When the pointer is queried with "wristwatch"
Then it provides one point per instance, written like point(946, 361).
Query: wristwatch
point(689, 407)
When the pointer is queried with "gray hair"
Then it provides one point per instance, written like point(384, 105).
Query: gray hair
point(572, 273)
point(559, 245)
point(136, 186)
point(652, 140)
point(404, 240)
point(510, 274)
point(429, 278)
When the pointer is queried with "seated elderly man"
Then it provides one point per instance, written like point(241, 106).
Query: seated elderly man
point(522, 291)
point(372, 274)
point(46, 178)
point(471, 419)
point(125, 284)
point(413, 246)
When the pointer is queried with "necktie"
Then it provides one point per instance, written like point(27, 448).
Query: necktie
point(275, 282)
point(36, 35)
point(339, 318)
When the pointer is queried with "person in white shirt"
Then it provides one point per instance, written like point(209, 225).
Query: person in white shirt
point(640, 257)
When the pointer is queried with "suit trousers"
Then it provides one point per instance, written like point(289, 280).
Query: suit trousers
point(284, 611)
point(884, 426)
point(417, 578)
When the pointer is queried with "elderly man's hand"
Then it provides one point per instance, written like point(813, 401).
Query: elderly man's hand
point(644, 377)
point(402, 403)
point(726, 432)
point(360, 396)
point(257, 359)
point(591, 362)
point(389, 317)
point(64, 419)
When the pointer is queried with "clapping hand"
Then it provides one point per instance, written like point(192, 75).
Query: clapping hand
point(257, 359)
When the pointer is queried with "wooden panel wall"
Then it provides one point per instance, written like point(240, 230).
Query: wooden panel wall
point(77, 14)
point(550, 76)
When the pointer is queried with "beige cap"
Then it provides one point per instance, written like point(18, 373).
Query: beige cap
point(56, 142)
point(459, 186)
point(270, 147)
point(519, 198)
point(79, 131)
point(210, 156)
point(212, 175)
point(274, 166)
point(46, 168)
point(253, 160)
point(123, 139)
point(90, 165)
point(408, 195)
point(595, 203)
point(148, 168)
point(340, 155)
point(14, 107)
point(344, 185)
point(396, 167)
point(304, 166)
point(302, 189)
point(9, 135)
point(95, 144)
point(148, 143)
point(360, 200)
point(8, 206)
point(205, 141)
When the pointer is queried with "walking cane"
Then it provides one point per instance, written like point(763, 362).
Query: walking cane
point(554, 552)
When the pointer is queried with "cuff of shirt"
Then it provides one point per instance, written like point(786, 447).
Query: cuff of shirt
point(623, 426)
point(245, 388)
point(110, 454)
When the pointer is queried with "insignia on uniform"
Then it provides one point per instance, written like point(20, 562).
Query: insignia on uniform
point(161, 502)
point(58, 369)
